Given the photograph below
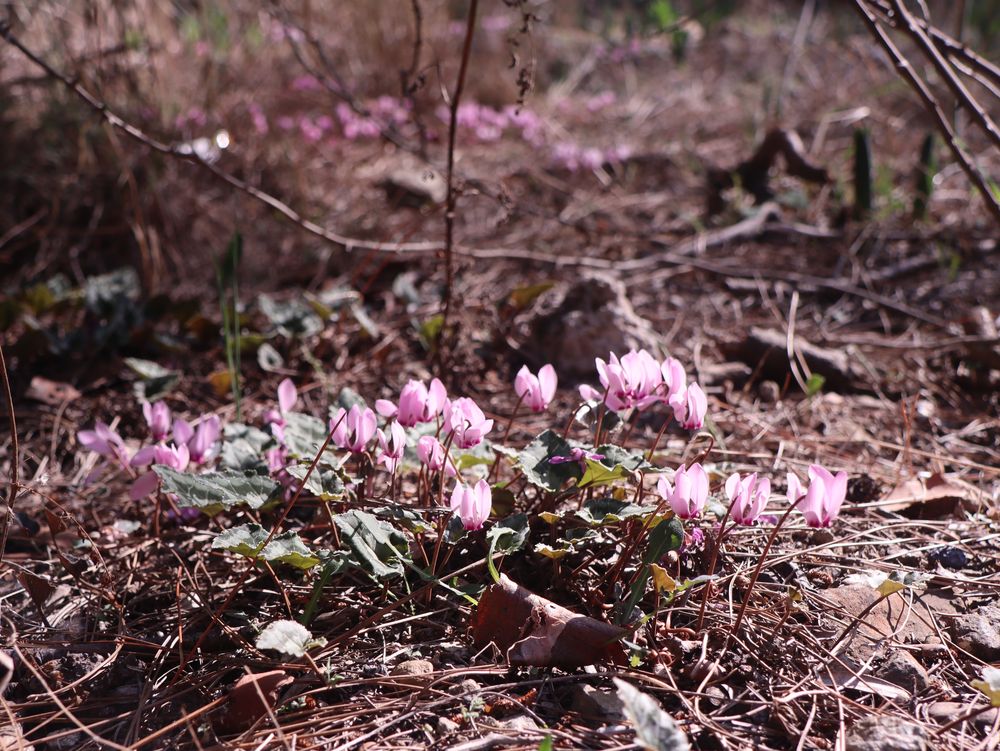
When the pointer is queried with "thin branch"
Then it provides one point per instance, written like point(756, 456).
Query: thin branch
point(947, 74)
point(15, 455)
point(931, 104)
point(950, 45)
point(179, 152)
point(449, 214)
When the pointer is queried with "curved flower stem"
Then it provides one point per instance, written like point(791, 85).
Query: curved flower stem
point(656, 441)
point(444, 465)
point(756, 574)
point(711, 565)
point(238, 587)
point(510, 424)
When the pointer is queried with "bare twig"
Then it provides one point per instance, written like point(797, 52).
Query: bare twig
point(15, 455)
point(449, 214)
point(136, 134)
point(906, 71)
point(961, 93)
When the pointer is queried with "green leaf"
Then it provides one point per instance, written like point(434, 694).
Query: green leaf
point(618, 464)
point(481, 453)
point(550, 552)
point(546, 744)
point(521, 297)
point(248, 539)
point(325, 484)
point(815, 384)
point(664, 537)
point(412, 519)
point(217, 491)
point(107, 293)
point(534, 462)
point(610, 511)
point(378, 547)
point(989, 685)
point(156, 381)
point(243, 448)
point(291, 317)
point(506, 537)
point(304, 434)
point(287, 637)
point(654, 729)
point(429, 331)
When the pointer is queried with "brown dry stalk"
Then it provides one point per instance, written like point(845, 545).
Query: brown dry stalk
point(449, 214)
point(140, 136)
point(14, 455)
point(905, 70)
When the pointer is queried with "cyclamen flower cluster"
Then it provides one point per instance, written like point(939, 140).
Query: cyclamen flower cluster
point(486, 124)
point(748, 495)
point(460, 422)
point(191, 445)
point(637, 380)
point(573, 157)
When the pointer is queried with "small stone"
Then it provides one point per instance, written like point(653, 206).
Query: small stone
point(979, 633)
point(415, 187)
point(413, 667)
point(446, 726)
point(823, 536)
point(469, 686)
point(597, 704)
point(903, 669)
point(769, 392)
point(518, 722)
point(886, 733)
point(949, 557)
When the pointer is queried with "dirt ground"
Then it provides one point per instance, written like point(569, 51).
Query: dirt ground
point(865, 342)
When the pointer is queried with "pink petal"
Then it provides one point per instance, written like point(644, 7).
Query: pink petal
point(386, 408)
point(145, 485)
point(287, 395)
point(548, 380)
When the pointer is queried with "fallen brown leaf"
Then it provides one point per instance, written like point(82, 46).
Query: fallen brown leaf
point(246, 705)
point(531, 630)
point(49, 392)
point(931, 498)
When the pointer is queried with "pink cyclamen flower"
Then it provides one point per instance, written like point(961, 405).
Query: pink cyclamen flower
point(690, 409)
point(417, 403)
point(287, 398)
point(631, 381)
point(578, 455)
point(824, 497)
point(104, 441)
point(674, 379)
point(472, 504)
point(689, 492)
point(393, 443)
point(173, 456)
point(276, 458)
point(202, 444)
point(433, 456)
point(536, 391)
point(466, 422)
point(748, 496)
point(352, 430)
point(157, 418)
point(201, 440)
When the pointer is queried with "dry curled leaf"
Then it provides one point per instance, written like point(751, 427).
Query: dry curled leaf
point(531, 630)
point(252, 697)
point(931, 498)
